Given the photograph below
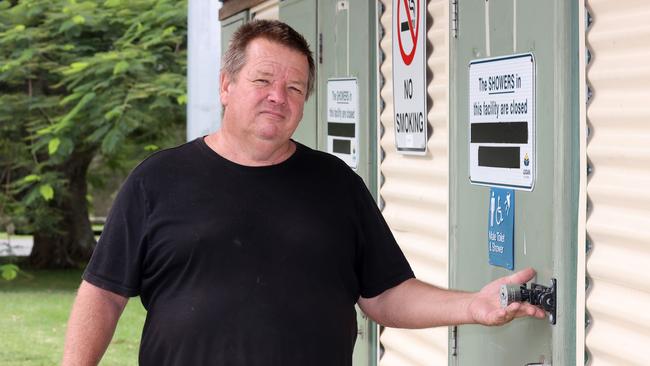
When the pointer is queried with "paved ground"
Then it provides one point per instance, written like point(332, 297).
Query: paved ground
point(20, 246)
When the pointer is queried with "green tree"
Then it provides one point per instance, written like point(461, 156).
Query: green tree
point(81, 81)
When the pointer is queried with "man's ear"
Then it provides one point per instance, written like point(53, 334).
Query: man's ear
point(224, 87)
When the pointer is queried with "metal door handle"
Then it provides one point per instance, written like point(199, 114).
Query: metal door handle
point(538, 295)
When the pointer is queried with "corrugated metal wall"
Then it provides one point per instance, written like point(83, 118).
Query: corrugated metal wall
point(415, 189)
point(581, 256)
point(618, 188)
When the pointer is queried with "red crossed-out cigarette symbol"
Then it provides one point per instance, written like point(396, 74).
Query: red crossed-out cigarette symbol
point(408, 25)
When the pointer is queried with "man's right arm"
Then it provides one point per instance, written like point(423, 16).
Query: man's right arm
point(91, 325)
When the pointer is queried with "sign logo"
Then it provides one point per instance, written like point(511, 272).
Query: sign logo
point(411, 26)
point(526, 160)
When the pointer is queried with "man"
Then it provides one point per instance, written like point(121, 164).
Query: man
point(247, 248)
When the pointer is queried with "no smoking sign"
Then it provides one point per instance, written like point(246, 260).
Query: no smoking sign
point(409, 76)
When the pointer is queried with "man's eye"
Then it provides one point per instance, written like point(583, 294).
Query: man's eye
point(260, 81)
point(295, 90)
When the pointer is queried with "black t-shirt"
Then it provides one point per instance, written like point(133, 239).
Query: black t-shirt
point(242, 265)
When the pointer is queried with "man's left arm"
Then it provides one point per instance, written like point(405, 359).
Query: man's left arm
point(415, 304)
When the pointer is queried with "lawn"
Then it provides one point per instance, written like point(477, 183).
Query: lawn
point(33, 315)
point(4, 236)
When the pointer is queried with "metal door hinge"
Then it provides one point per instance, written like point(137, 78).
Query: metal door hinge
point(542, 362)
point(454, 18)
point(320, 48)
point(538, 295)
point(454, 340)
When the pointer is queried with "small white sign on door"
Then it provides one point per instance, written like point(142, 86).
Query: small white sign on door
point(343, 119)
point(502, 121)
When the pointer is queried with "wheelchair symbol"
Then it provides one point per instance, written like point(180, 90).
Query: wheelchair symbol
point(496, 212)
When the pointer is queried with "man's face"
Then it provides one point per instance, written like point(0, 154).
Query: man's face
point(264, 102)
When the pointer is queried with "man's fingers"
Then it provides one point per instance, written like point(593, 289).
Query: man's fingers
point(499, 317)
point(536, 313)
point(515, 310)
point(525, 309)
point(511, 312)
point(531, 310)
point(522, 276)
point(539, 313)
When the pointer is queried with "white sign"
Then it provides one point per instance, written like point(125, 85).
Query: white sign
point(410, 76)
point(343, 119)
point(502, 121)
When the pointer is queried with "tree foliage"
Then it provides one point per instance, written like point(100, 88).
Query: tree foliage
point(81, 81)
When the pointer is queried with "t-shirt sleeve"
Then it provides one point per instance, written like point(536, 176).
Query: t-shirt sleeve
point(116, 261)
point(381, 264)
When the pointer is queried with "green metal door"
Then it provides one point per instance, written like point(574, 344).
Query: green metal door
point(229, 26)
point(545, 218)
point(301, 15)
point(342, 37)
point(346, 50)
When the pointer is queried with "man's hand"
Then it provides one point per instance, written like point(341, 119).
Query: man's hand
point(486, 309)
point(415, 304)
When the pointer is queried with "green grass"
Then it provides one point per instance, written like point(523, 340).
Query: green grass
point(4, 236)
point(33, 315)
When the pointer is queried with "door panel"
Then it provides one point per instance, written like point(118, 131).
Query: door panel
point(229, 26)
point(301, 15)
point(544, 226)
point(349, 47)
point(346, 30)
point(342, 37)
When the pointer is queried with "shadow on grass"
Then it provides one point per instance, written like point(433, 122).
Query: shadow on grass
point(44, 280)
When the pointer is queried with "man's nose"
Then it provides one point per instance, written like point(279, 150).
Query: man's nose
point(278, 93)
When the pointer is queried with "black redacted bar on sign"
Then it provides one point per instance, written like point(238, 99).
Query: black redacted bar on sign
point(500, 132)
point(498, 157)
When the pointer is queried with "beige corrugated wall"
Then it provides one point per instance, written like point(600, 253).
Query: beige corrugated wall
point(415, 189)
point(618, 188)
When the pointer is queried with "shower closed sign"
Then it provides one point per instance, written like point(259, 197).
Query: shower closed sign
point(502, 121)
point(343, 119)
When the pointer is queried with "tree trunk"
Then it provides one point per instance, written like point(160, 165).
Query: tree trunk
point(73, 245)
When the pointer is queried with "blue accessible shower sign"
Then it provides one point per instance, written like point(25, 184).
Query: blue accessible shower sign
point(501, 224)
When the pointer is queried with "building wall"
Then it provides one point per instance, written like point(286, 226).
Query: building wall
point(203, 64)
point(414, 189)
point(618, 194)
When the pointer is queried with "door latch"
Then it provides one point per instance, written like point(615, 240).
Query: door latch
point(538, 295)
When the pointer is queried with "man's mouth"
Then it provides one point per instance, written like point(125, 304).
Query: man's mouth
point(273, 114)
